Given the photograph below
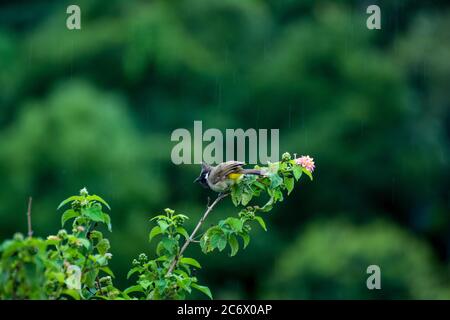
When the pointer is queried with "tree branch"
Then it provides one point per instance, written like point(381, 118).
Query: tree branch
point(30, 230)
point(197, 227)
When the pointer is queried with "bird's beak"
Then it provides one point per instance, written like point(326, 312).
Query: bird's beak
point(196, 180)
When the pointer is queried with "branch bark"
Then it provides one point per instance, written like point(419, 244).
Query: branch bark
point(209, 208)
point(30, 230)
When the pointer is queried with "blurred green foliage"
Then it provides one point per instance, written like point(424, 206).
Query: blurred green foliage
point(96, 108)
point(325, 262)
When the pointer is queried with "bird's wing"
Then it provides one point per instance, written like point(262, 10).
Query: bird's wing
point(222, 170)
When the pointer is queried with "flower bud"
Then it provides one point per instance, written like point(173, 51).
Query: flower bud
point(169, 211)
point(18, 236)
point(62, 234)
point(106, 280)
point(84, 192)
point(286, 156)
point(76, 205)
point(143, 257)
point(53, 238)
point(113, 293)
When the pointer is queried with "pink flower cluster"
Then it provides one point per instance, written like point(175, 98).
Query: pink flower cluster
point(306, 162)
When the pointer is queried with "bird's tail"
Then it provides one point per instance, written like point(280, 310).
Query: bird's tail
point(256, 172)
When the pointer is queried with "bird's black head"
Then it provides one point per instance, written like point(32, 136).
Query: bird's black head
point(203, 175)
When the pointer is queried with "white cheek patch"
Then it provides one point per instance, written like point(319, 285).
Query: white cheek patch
point(206, 175)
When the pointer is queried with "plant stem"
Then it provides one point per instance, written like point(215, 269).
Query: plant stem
point(197, 227)
point(90, 228)
point(30, 231)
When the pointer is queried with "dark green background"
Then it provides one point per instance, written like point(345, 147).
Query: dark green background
point(96, 108)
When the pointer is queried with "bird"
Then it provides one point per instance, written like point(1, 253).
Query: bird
point(220, 178)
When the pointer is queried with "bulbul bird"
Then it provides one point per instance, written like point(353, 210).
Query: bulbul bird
point(221, 177)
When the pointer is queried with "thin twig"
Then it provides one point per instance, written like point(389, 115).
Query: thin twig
point(192, 236)
point(30, 230)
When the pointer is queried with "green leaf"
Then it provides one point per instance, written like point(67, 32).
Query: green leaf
point(50, 242)
point(101, 260)
point(108, 271)
point(222, 243)
point(59, 276)
point(181, 216)
point(181, 273)
point(72, 293)
point(234, 245)
point(162, 258)
point(218, 240)
point(67, 215)
point(145, 284)
point(289, 183)
point(203, 289)
point(154, 232)
point(99, 199)
point(235, 199)
point(246, 238)
point(190, 261)
point(275, 180)
point(184, 284)
point(183, 232)
point(136, 288)
point(132, 271)
point(96, 235)
point(268, 206)
point(93, 213)
point(85, 242)
point(246, 198)
point(70, 199)
point(103, 246)
point(236, 194)
point(277, 195)
point(161, 284)
point(107, 220)
point(259, 185)
point(235, 224)
point(159, 248)
point(261, 222)
point(297, 171)
point(163, 225)
point(306, 171)
point(204, 244)
point(169, 244)
point(158, 217)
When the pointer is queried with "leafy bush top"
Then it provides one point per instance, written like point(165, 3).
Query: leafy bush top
point(74, 265)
